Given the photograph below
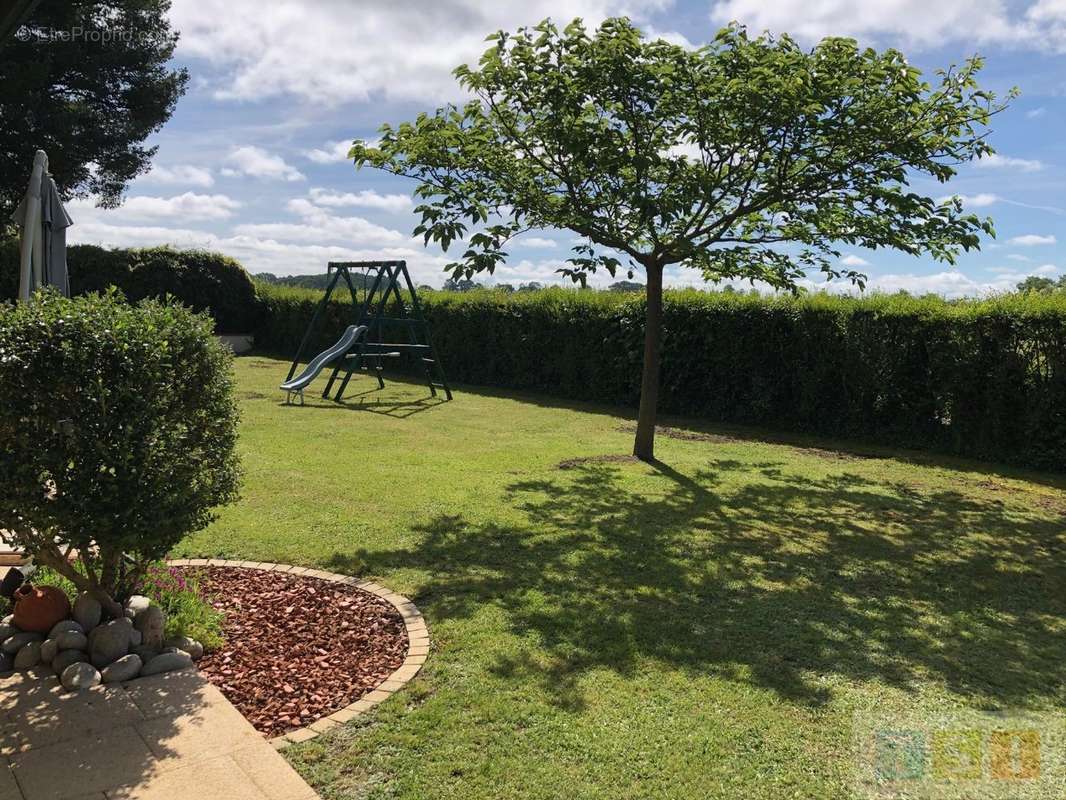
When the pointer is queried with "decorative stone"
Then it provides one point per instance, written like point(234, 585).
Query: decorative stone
point(188, 645)
point(7, 663)
point(79, 676)
point(7, 631)
point(87, 611)
point(38, 608)
point(138, 603)
point(49, 650)
point(12, 644)
point(67, 657)
point(129, 613)
point(63, 626)
point(125, 669)
point(72, 640)
point(145, 652)
point(150, 623)
point(29, 656)
point(136, 638)
point(8, 620)
point(166, 662)
point(109, 642)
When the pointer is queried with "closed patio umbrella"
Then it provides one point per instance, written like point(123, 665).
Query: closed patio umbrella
point(43, 224)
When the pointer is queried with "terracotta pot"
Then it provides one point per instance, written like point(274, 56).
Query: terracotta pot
point(39, 608)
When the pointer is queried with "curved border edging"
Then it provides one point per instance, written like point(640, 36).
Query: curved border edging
point(417, 642)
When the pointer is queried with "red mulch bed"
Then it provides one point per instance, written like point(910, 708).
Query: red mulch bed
point(297, 648)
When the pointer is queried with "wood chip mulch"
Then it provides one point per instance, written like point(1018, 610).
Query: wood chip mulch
point(297, 648)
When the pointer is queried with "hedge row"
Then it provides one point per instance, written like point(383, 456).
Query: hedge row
point(200, 279)
point(979, 378)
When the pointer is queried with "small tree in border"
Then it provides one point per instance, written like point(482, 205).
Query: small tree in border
point(746, 158)
point(118, 428)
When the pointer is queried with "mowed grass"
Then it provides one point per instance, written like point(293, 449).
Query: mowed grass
point(709, 626)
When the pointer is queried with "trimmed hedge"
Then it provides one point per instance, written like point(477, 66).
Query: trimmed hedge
point(985, 379)
point(200, 279)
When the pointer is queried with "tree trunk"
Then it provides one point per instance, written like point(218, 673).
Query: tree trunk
point(644, 445)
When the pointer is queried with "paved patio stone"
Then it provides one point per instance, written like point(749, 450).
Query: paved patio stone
point(218, 778)
point(79, 766)
point(172, 736)
point(9, 789)
point(274, 777)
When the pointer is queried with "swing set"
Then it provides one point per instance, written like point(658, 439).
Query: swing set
point(362, 347)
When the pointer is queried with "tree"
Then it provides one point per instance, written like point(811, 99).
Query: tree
point(458, 284)
point(87, 81)
point(1041, 285)
point(626, 286)
point(532, 286)
point(746, 158)
point(118, 429)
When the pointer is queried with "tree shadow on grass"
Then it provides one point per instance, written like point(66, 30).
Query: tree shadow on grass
point(776, 579)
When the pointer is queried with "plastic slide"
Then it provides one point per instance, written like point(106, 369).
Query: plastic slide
point(351, 334)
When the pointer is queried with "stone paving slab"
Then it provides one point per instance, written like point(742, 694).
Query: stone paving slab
point(167, 737)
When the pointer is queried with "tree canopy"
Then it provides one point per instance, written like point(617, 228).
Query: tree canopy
point(1042, 285)
point(748, 158)
point(87, 81)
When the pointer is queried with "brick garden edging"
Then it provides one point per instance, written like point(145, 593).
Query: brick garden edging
point(417, 641)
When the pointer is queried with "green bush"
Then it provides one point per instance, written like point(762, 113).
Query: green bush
point(979, 378)
point(202, 280)
point(118, 429)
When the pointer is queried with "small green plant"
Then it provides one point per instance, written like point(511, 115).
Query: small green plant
point(187, 609)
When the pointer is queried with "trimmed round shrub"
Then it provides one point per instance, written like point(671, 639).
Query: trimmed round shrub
point(200, 279)
point(118, 428)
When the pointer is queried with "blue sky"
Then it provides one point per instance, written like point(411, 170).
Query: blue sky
point(252, 161)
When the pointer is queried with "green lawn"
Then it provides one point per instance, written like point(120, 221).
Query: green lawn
point(706, 627)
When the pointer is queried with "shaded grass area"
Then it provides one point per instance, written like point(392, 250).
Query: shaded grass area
point(709, 625)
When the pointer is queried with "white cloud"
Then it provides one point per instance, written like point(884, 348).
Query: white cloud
point(187, 206)
point(179, 174)
point(368, 198)
point(331, 52)
point(258, 253)
point(997, 161)
point(319, 226)
point(1031, 240)
point(330, 152)
point(1046, 269)
point(852, 260)
point(258, 163)
point(913, 23)
point(980, 200)
point(1019, 257)
point(949, 283)
point(983, 20)
point(1035, 113)
point(537, 242)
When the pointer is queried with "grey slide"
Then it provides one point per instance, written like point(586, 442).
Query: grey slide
point(351, 334)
